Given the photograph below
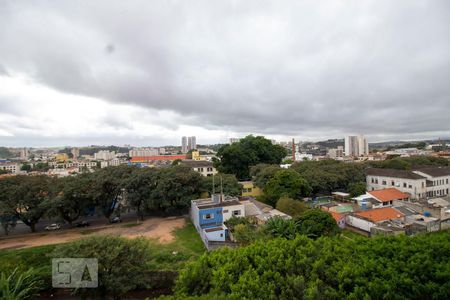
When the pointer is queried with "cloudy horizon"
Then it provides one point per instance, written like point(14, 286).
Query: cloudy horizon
point(148, 72)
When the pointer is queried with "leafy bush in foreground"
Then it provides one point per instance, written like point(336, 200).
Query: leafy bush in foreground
point(326, 268)
point(18, 286)
point(121, 262)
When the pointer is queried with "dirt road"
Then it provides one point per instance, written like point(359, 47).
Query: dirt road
point(155, 228)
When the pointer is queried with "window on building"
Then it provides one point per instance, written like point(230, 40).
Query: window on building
point(208, 216)
point(376, 181)
point(372, 180)
point(404, 184)
point(236, 212)
point(410, 186)
point(446, 181)
point(392, 183)
point(383, 182)
point(221, 235)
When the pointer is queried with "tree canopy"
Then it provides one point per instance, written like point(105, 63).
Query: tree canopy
point(326, 268)
point(237, 158)
point(288, 183)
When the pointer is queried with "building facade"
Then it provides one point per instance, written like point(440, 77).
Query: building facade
point(420, 184)
point(356, 146)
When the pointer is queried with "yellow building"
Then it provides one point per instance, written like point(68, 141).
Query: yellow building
point(196, 155)
point(61, 157)
point(249, 189)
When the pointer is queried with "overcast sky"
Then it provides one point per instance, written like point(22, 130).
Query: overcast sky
point(148, 72)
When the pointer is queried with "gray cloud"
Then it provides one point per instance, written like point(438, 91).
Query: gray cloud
point(308, 68)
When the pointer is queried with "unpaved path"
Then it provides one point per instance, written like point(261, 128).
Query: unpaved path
point(160, 229)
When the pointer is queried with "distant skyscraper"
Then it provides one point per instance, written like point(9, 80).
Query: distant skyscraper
point(356, 146)
point(184, 145)
point(76, 153)
point(24, 153)
point(188, 143)
point(192, 143)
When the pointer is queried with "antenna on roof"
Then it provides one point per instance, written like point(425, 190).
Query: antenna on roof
point(221, 189)
point(214, 190)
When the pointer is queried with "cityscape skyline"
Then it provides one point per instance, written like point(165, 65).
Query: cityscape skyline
point(219, 71)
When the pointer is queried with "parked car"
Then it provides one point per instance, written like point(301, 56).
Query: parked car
point(83, 224)
point(116, 219)
point(53, 227)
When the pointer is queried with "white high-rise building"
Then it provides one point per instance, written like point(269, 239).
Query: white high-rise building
point(24, 153)
point(184, 145)
point(192, 143)
point(356, 146)
point(75, 153)
point(188, 143)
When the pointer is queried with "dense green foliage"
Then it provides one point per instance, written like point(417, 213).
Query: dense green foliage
point(356, 188)
point(237, 158)
point(228, 182)
point(5, 153)
point(288, 183)
point(291, 206)
point(121, 262)
point(326, 268)
point(329, 175)
point(262, 173)
point(167, 190)
point(18, 286)
point(163, 259)
point(315, 223)
point(311, 222)
point(408, 163)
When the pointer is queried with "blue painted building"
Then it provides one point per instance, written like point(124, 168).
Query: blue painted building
point(209, 215)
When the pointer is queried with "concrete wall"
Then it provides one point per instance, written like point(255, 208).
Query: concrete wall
point(359, 223)
point(227, 211)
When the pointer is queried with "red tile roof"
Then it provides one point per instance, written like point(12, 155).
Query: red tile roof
point(157, 157)
point(337, 216)
point(380, 214)
point(389, 194)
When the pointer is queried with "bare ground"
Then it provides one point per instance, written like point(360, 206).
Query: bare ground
point(160, 229)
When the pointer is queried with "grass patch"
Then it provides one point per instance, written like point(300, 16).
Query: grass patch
point(186, 247)
point(348, 234)
point(24, 259)
point(130, 225)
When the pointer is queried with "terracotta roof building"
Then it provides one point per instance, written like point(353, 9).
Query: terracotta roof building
point(380, 214)
point(387, 196)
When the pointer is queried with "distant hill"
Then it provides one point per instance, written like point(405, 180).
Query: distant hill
point(5, 153)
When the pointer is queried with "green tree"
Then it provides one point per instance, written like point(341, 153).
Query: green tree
point(262, 173)
point(122, 263)
point(280, 227)
point(175, 187)
point(315, 223)
point(25, 167)
point(109, 187)
point(286, 183)
point(73, 196)
point(292, 207)
point(231, 187)
point(140, 188)
point(27, 197)
point(357, 188)
point(237, 158)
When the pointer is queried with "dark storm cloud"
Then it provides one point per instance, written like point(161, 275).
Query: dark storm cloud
point(375, 67)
